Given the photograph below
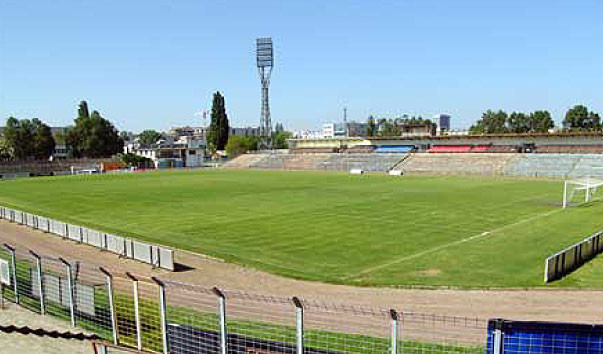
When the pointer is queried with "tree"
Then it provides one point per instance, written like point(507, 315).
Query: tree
point(239, 144)
point(136, 160)
point(278, 128)
point(541, 121)
point(82, 111)
point(124, 136)
point(518, 123)
point(6, 151)
point(148, 137)
point(29, 139)
point(579, 118)
point(43, 140)
point(371, 127)
point(19, 137)
point(93, 136)
point(279, 139)
point(217, 136)
point(388, 128)
point(491, 123)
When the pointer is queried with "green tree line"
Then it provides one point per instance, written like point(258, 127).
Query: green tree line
point(577, 118)
point(394, 127)
point(26, 139)
point(91, 136)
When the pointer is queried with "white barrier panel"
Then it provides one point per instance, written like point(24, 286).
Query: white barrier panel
point(395, 173)
point(43, 223)
point(94, 238)
point(151, 254)
point(57, 228)
point(129, 245)
point(115, 244)
point(571, 258)
point(30, 220)
point(74, 232)
point(155, 257)
point(356, 171)
point(166, 258)
point(142, 252)
point(19, 217)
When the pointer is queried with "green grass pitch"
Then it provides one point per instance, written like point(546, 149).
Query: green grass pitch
point(333, 227)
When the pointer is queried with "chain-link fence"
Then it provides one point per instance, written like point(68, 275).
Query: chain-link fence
point(153, 315)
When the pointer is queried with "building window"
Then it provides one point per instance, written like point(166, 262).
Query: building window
point(192, 152)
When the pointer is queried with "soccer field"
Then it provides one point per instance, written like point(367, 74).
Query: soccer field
point(363, 230)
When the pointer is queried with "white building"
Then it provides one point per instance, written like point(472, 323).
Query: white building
point(166, 153)
point(333, 130)
point(308, 134)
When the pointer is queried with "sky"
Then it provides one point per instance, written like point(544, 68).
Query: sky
point(156, 64)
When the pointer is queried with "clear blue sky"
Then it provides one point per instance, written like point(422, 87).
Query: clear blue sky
point(153, 64)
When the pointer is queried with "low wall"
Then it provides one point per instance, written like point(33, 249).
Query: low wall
point(566, 261)
point(156, 256)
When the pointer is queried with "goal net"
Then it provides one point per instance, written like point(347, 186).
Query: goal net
point(580, 191)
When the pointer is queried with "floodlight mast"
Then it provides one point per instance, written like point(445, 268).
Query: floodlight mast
point(265, 62)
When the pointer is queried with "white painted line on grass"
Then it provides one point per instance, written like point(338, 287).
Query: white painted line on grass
point(454, 243)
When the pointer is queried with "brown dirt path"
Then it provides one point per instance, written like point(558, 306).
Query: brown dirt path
point(551, 305)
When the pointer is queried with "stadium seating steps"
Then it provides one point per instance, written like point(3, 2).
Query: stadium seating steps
point(557, 165)
point(319, 161)
point(472, 148)
point(458, 163)
point(244, 161)
point(571, 149)
point(510, 164)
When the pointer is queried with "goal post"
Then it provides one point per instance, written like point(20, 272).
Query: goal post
point(580, 190)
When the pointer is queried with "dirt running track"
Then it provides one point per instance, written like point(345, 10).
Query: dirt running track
point(551, 305)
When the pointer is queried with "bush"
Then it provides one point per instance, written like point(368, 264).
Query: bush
point(133, 160)
point(238, 144)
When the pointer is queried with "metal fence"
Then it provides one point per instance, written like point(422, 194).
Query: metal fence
point(172, 317)
point(566, 261)
point(155, 255)
point(154, 315)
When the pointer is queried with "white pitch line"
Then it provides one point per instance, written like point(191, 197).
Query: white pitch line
point(435, 249)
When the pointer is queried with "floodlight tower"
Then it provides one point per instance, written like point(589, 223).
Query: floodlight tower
point(265, 62)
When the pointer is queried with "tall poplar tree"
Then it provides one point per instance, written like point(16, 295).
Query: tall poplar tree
point(217, 136)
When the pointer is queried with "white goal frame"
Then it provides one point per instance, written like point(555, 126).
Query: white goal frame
point(588, 185)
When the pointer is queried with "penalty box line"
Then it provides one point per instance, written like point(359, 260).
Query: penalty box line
point(451, 244)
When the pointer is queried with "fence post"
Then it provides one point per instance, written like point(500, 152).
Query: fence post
point(223, 332)
point(13, 260)
point(497, 337)
point(70, 289)
point(136, 311)
point(163, 309)
point(109, 282)
point(299, 324)
point(394, 317)
point(40, 281)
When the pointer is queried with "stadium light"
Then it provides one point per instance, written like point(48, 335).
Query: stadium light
point(265, 62)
